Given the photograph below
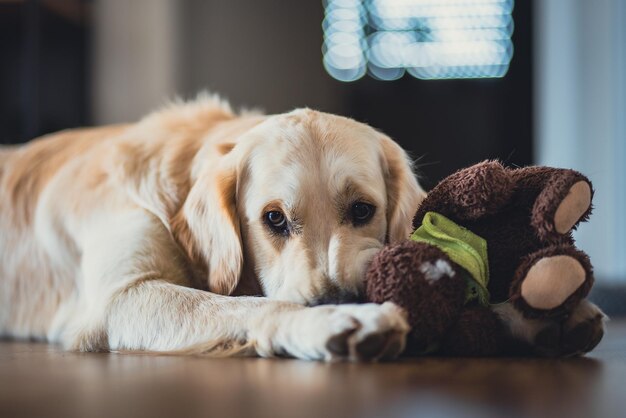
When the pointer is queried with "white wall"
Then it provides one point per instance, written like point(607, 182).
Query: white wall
point(580, 73)
point(264, 54)
point(136, 57)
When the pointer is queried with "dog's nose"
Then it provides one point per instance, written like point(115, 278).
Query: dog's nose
point(338, 297)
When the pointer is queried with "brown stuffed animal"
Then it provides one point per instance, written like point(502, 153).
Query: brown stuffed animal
point(488, 235)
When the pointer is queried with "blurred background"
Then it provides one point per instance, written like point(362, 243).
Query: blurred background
point(453, 81)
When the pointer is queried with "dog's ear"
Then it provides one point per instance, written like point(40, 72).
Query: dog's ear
point(208, 228)
point(197, 208)
point(403, 192)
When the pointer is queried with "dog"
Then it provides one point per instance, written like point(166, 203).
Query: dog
point(201, 231)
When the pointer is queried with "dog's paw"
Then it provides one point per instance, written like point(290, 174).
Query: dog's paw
point(367, 332)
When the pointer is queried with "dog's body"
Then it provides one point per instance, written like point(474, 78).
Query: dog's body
point(136, 237)
point(126, 237)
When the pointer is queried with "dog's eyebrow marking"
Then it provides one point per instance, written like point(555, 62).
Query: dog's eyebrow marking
point(225, 147)
point(273, 205)
point(350, 193)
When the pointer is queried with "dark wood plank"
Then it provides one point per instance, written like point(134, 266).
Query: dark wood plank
point(41, 380)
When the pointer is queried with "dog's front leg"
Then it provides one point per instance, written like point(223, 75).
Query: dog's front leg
point(163, 317)
point(157, 316)
point(134, 297)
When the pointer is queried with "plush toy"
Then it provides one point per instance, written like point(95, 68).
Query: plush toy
point(484, 236)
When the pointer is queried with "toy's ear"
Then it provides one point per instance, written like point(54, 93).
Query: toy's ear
point(470, 193)
point(404, 194)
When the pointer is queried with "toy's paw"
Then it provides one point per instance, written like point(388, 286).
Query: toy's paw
point(577, 334)
point(363, 332)
point(584, 329)
point(564, 203)
point(551, 281)
point(575, 204)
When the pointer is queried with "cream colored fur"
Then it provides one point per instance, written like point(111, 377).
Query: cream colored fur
point(144, 237)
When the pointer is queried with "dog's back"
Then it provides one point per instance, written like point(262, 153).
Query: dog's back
point(32, 286)
point(50, 186)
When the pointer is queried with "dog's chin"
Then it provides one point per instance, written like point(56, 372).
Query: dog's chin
point(337, 297)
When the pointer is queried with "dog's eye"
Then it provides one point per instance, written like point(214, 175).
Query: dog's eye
point(277, 221)
point(361, 213)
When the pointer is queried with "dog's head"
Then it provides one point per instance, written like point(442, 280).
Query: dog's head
point(305, 199)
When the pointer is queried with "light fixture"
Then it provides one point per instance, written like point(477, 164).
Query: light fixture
point(429, 39)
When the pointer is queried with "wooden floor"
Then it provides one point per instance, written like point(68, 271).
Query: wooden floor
point(41, 380)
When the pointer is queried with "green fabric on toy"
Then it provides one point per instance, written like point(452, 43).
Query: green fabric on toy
point(465, 248)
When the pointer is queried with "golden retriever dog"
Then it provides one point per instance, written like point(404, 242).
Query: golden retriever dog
point(136, 237)
point(159, 236)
